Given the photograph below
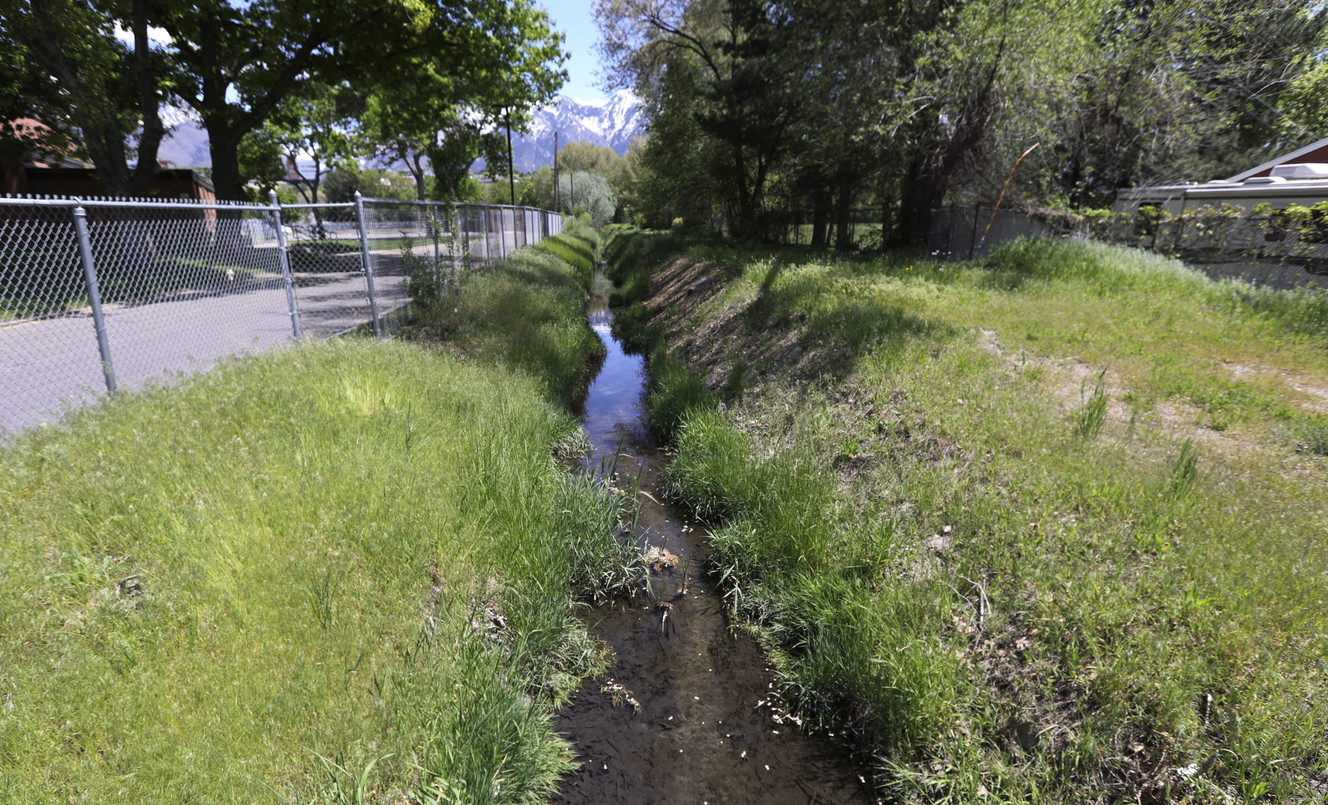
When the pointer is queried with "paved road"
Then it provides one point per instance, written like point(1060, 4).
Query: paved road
point(48, 365)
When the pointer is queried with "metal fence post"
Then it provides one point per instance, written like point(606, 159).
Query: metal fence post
point(94, 295)
point(454, 258)
point(973, 235)
point(952, 225)
point(484, 231)
point(433, 219)
point(486, 224)
point(285, 265)
point(368, 266)
point(463, 224)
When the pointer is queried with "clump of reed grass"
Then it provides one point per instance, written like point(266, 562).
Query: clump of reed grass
point(673, 391)
point(526, 312)
point(1088, 421)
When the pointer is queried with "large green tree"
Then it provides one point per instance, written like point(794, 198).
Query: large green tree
point(582, 190)
point(236, 63)
point(814, 105)
point(240, 61)
point(742, 97)
point(318, 126)
point(674, 165)
point(1180, 90)
point(448, 105)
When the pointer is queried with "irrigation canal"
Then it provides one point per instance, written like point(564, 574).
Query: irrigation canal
point(686, 714)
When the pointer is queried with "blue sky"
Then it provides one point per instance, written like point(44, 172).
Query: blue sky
point(574, 20)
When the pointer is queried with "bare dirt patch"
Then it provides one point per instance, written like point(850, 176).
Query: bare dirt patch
point(1070, 381)
point(742, 334)
point(1308, 394)
point(684, 282)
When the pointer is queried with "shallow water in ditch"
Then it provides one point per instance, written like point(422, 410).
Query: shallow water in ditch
point(684, 714)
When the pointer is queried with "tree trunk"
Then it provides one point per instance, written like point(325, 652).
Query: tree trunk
point(146, 85)
point(224, 145)
point(102, 130)
point(844, 215)
point(923, 191)
point(417, 171)
point(820, 218)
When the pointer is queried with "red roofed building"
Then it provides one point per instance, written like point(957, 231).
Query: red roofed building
point(46, 168)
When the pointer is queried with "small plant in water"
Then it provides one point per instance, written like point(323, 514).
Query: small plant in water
point(685, 567)
point(620, 695)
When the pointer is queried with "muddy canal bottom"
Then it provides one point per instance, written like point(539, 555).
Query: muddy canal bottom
point(685, 715)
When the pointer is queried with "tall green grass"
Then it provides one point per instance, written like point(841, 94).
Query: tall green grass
point(1000, 606)
point(579, 248)
point(346, 571)
point(526, 312)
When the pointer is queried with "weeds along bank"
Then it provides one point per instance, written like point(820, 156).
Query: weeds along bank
point(1046, 529)
point(340, 572)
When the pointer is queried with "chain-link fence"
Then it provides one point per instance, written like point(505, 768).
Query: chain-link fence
point(861, 228)
point(965, 232)
point(101, 294)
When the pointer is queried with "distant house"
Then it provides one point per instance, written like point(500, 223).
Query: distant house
point(1300, 177)
point(50, 170)
point(169, 183)
point(29, 145)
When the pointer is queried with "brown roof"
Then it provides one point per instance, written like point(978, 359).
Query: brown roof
point(1314, 152)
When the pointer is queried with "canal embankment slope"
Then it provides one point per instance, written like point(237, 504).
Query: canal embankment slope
point(1047, 527)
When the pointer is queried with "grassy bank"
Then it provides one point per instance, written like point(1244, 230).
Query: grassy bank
point(526, 313)
point(1050, 528)
point(340, 572)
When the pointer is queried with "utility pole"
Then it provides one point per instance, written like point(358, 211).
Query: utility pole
point(555, 173)
point(511, 177)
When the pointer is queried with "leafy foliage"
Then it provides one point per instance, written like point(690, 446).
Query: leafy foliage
point(446, 102)
point(256, 69)
point(589, 192)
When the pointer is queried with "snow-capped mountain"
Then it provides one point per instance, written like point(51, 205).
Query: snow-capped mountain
point(612, 123)
point(186, 142)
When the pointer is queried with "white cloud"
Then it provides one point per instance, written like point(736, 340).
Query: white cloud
point(157, 36)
